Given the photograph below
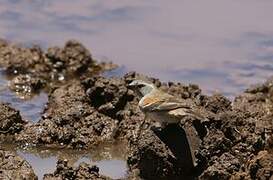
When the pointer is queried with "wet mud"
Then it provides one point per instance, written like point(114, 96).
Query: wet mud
point(86, 109)
point(11, 120)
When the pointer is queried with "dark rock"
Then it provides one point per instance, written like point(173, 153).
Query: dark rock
point(19, 60)
point(245, 130)
point(74, 58)
point(222, 168)
point(108, 96)
point(111, 97)
point(217, 103)
point(14, 167)
point(261, 167)
point(70, 121)
point(164, 154)
point(10, 120)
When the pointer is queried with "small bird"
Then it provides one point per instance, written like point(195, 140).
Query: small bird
point(167, 109)
point(161, 106)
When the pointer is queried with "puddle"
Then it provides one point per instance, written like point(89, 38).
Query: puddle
point(30, 109)
point(109, 158)
point(113, 168)
point(40, 165)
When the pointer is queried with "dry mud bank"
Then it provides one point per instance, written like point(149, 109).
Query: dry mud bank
point(85, 110)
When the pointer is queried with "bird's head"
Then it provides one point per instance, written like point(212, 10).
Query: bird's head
point(141, 87)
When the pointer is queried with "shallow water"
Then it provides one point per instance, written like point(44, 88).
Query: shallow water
point(109, 159)
point(30, 109)
point(222, 45)
point(114, 168)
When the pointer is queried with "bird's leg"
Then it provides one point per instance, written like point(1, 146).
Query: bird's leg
point(144, 122)
point(142, 125)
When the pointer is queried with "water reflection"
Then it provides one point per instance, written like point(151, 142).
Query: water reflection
point(108, 157)
point(30, 109)
point(208, 42)
point(39, 165)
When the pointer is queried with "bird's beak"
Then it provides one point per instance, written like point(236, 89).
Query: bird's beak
point(132, 84)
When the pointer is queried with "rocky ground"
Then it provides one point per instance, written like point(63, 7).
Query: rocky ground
point(85, 109)
point(14, 167)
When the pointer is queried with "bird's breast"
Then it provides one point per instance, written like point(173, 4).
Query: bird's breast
point(162, 117)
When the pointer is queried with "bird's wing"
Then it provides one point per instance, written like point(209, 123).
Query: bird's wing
point(182, 112)
point(169, 105)
point(161, 101)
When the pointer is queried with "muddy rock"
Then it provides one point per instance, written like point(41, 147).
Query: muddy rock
point(217, 103)
point(161, 154)
point(261, 167)
point(242, 132)
point(222, 168)
point(108, 96)
point(14, 167)
point(214, 144)
point(10, 120)
point(70, 121)
point(83, 171)
point(151, 157)
point(17, 60)
point(258, 109)
point(56, 65)
point(73, 58)
point(111, 97)
point(183, 91)
point(82, 114)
